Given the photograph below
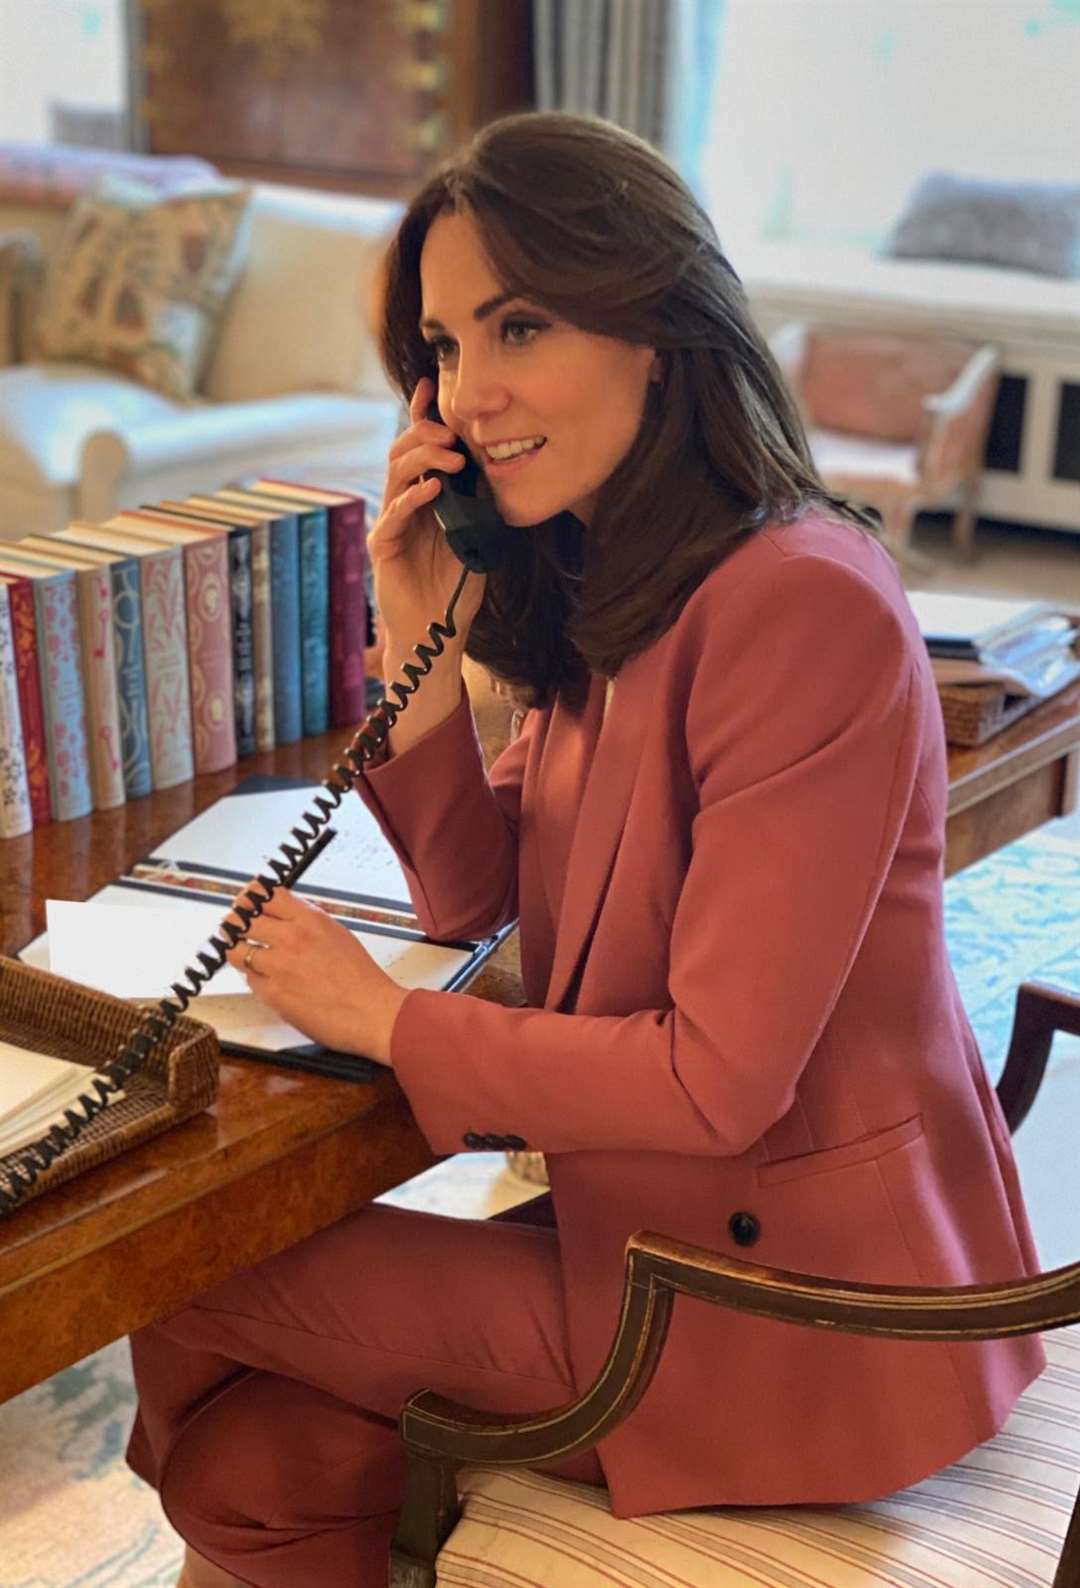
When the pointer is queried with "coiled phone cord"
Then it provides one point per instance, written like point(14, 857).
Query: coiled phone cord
point(154, 1024)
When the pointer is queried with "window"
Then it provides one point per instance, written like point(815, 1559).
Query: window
point(63, 72)
point(826, 112)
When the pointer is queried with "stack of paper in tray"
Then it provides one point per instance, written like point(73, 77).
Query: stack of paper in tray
point(35, 1089)
point(1027, 648)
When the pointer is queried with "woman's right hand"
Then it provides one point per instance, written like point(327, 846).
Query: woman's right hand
point(415, 572)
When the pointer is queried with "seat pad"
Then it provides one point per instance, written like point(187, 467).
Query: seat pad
point(863, 458)
point(999, 1515)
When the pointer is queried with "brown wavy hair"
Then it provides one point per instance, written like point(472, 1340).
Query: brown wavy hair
point(588, 222)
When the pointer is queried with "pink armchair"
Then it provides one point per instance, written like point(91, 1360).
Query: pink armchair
point(895, 421)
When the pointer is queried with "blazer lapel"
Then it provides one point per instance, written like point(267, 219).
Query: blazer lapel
point(600, 824)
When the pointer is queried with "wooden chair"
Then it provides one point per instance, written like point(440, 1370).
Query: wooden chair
point(896, 421)
point(528, 1528)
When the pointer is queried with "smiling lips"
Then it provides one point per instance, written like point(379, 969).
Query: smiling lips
point(504, 451)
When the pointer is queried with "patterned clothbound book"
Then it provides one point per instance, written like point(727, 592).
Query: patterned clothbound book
point(205, 554)
point(56, 620)
point(31, 710)
point(165, 645)
point(15, 814)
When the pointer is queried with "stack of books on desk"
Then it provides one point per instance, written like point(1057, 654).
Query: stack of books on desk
point(174, 639)
point(994, 659)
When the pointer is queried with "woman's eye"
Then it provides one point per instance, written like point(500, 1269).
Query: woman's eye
point(441, 347)
point(520, 332)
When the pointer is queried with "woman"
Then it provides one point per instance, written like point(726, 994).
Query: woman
point(722, 830)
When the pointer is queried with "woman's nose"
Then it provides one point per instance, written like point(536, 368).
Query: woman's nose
point(476, 394)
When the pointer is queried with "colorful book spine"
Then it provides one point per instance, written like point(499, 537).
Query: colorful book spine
point(165, 648)
point(348, 613)
point(56, 613)
point(131, 678)
point(262, 638)
point(314, 619)
point(31, 706)
point(16, 815)
point(98, 635)
point(285, 613)
point(240, 602)
point(209, 638)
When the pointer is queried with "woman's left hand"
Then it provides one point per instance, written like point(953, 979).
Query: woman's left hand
point(318, 976)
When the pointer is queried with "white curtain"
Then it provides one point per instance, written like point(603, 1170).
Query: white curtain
point(647, 64)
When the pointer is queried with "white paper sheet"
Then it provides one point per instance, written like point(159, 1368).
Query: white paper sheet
point(129, 954)
point(134, 944)
point(239, 833)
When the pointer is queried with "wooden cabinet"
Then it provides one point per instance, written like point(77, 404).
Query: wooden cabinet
point(354, 95)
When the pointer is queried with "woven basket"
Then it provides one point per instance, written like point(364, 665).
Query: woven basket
point(973, 713)
point(51, 1015)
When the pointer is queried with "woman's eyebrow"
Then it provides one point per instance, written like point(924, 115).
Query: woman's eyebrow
point(481, 312)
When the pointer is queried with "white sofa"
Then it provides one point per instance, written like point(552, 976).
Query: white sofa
point(294, 384)
point(1032, 320)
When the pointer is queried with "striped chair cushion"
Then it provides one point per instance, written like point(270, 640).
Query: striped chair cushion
point(998, 1517)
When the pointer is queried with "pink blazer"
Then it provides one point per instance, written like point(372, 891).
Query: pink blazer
point(744, 1031)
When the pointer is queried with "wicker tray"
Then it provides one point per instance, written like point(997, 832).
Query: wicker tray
point(62, 1018)
point(973, 713)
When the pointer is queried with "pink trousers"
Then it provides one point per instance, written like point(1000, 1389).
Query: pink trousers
point(268, 1407)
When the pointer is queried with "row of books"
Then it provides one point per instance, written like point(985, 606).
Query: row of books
point(174, 639)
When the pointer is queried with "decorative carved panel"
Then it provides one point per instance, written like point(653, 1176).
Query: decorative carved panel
point(340, 93)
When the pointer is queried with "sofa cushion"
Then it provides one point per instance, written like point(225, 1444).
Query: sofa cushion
point(138, 281)
point(48, 410)
point(998, 1515)
point(1023, 225)
point(298, 320)
point(22, 269)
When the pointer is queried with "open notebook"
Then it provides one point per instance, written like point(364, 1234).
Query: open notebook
point(135, 936)
point(35, 1088)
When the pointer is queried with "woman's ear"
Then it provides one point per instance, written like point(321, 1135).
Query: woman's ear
point(657, 369)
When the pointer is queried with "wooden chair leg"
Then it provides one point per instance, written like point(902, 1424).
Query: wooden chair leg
point(963, 528)
point(897, 521)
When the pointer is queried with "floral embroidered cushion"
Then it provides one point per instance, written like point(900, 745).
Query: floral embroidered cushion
point(139, 281)
point(1023, 225)
point(22, 270)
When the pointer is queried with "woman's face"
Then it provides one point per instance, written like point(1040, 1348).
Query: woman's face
point(560, 406)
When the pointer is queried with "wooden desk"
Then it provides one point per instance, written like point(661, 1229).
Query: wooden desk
point(281, 1155)
point(1014, 782)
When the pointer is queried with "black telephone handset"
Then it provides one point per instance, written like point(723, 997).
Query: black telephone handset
point(477, 536)
point(470, 522)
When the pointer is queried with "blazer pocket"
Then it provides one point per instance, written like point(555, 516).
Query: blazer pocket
point(864, 1150)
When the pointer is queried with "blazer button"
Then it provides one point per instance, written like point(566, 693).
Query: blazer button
point(745, 1229)
point(471, 1139)
point(491, 1143)
point(515, 1143)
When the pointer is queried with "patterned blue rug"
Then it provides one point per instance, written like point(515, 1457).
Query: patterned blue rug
point(72, 1516)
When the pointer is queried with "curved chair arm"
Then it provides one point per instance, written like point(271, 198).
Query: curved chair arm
point(959, 419)
point(788, 346)
point(441, 1436)
point(1040, 1011)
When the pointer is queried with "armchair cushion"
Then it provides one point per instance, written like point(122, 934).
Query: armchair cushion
point(876, 383)
point(139, 280)
point(1022, 225)
point(22, 268)
point(998, 1515)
